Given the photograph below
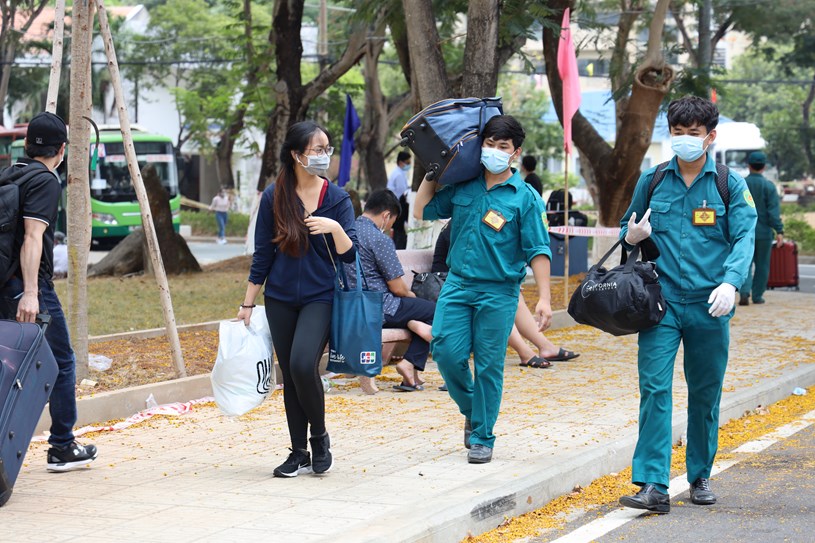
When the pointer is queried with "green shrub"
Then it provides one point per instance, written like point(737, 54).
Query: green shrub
point(798, 230)
point(203, 223)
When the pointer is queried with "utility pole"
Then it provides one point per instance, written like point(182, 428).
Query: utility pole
point(322, 34)
point(705, 54)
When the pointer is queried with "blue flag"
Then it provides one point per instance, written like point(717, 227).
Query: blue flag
point(350, 126)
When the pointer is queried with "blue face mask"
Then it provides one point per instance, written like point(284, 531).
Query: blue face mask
point(494, 160)
point(406, 168)
point(688, 148)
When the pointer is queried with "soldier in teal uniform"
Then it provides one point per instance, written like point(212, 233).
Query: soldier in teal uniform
point(705, 249)
point(497, 228)
point(769, 226)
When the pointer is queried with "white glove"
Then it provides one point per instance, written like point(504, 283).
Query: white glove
point(722, 299)
point(638, 231)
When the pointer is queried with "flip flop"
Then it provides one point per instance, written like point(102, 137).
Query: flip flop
point(536, 362)
point(562, 356)
point(404, 387)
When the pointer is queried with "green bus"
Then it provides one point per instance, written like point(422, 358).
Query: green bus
point(114, 206)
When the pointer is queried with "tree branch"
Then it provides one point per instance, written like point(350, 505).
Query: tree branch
point(353, 53)
point(680, 24)
point(721, 31)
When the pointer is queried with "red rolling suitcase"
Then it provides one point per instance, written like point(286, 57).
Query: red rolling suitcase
point(28, 372)
point(783, 265)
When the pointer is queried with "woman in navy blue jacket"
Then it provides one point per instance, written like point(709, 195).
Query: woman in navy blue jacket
point(305, 227)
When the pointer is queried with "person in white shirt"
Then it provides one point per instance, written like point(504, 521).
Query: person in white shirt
point(220, 205)
point(60, 256)
point(399, 185)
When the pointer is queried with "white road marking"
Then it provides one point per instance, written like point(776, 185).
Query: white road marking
point(613, 520)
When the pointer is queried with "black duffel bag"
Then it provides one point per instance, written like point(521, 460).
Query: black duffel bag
point(428, 285)
point(622, 300)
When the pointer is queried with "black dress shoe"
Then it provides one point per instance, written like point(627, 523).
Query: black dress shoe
point(744, 300)
point(648, 498)
point(700, 492)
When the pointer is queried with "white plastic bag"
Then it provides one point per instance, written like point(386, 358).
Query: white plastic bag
point(244, 369)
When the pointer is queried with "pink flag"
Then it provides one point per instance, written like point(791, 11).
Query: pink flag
point(567, 68)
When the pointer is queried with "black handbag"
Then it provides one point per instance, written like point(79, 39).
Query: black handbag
point(623, 300)
point(428, 285)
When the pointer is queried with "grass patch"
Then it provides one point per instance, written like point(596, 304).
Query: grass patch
point(122, 304)
point(203, 223)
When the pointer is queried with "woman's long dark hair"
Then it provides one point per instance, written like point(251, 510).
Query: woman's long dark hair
point(291, 231)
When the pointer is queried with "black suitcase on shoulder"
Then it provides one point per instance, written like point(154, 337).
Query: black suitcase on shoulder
point(28, 372)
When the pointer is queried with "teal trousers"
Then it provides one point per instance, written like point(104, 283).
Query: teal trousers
point(706, 341)
point(467, 322)
point(757, 281)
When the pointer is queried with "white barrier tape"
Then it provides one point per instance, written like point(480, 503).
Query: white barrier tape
point(170, 409)
point(586, 231)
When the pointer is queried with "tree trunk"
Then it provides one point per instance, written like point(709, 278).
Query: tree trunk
point(223, 157)
point(175, 254)
point(79, 197)
point(429, 71)
point(480, 50)
point(371, 139)
point(806, 128)
point(616, 169)
point(124, 259)
point(226, 145)
point(292, 98)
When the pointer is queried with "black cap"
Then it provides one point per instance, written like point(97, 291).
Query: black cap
point(46, 129)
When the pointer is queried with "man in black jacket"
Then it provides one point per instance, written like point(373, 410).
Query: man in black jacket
point(30, 290)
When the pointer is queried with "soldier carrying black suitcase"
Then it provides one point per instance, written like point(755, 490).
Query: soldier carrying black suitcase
point(26, 273)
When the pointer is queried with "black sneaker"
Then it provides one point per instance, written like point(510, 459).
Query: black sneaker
point(700, 493)
point(322, 460)
point(298, 462)
point(468, 430)
point(71, 457)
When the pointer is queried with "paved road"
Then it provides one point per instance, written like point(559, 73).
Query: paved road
point(768, 497)
point(206, 252)
point(806, 272)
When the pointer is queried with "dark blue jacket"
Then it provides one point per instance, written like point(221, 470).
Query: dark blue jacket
point(308, 278)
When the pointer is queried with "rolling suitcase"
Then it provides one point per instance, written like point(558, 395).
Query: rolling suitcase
point(783, 266)
point(446, 137)
point(28, 372)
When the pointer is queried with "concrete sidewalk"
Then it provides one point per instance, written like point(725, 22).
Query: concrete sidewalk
point(400, 467)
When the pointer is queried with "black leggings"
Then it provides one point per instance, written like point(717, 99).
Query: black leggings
point(299, 334)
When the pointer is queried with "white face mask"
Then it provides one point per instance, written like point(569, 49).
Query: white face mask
point(688, 148)
point(317, 164)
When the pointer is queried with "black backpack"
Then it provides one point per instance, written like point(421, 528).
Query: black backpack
point(10, 206)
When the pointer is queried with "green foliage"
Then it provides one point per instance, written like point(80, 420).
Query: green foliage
point(776, 109)
point(799, 230)
point(203, 59)
point(203, 223)
point(527, 103)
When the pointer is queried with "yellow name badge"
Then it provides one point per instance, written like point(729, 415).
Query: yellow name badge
point(494, 220)
point(704, 216)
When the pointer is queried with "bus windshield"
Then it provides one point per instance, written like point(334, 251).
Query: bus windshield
point(112, 183)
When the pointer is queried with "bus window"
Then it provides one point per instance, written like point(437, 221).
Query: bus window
point(112, 181)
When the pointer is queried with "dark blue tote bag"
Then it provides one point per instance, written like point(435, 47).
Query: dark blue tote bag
point(355, 344)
